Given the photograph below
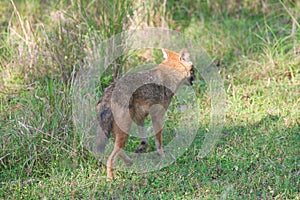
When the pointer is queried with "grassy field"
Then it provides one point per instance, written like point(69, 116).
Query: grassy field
point(256, 48)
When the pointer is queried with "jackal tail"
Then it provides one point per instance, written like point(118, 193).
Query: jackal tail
point(105, 118)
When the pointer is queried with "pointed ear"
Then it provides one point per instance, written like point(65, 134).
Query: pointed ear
point(184, 55)
point(164, 53)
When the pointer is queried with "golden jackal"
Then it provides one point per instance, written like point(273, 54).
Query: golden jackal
point(133, 97)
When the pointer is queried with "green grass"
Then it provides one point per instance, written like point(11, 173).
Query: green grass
point(257, 54)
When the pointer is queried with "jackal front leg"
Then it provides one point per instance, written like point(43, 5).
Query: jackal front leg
point(157, 126)
point(144, 140)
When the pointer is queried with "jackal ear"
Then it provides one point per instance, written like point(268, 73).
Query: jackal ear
point(184, 55)
point(164, 53)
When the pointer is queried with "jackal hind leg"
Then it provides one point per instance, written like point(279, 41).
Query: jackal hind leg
point(127, 160)
point(120, 140)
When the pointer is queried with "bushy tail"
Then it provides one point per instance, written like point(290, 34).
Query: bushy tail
point(105, 118)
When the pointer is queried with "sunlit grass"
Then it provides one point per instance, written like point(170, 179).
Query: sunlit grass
point(256, 51)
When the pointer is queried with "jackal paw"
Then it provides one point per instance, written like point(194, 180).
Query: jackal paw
point(142, 148)
point(161, 153)
point(110, 174)
point(128, 161)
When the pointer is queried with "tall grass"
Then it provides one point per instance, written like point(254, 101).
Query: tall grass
point(255, 45)
point(41, 55)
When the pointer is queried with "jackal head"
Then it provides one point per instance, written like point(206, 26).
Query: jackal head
point(182, 64)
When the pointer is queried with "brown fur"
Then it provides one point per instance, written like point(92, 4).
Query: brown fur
point(133, 97)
